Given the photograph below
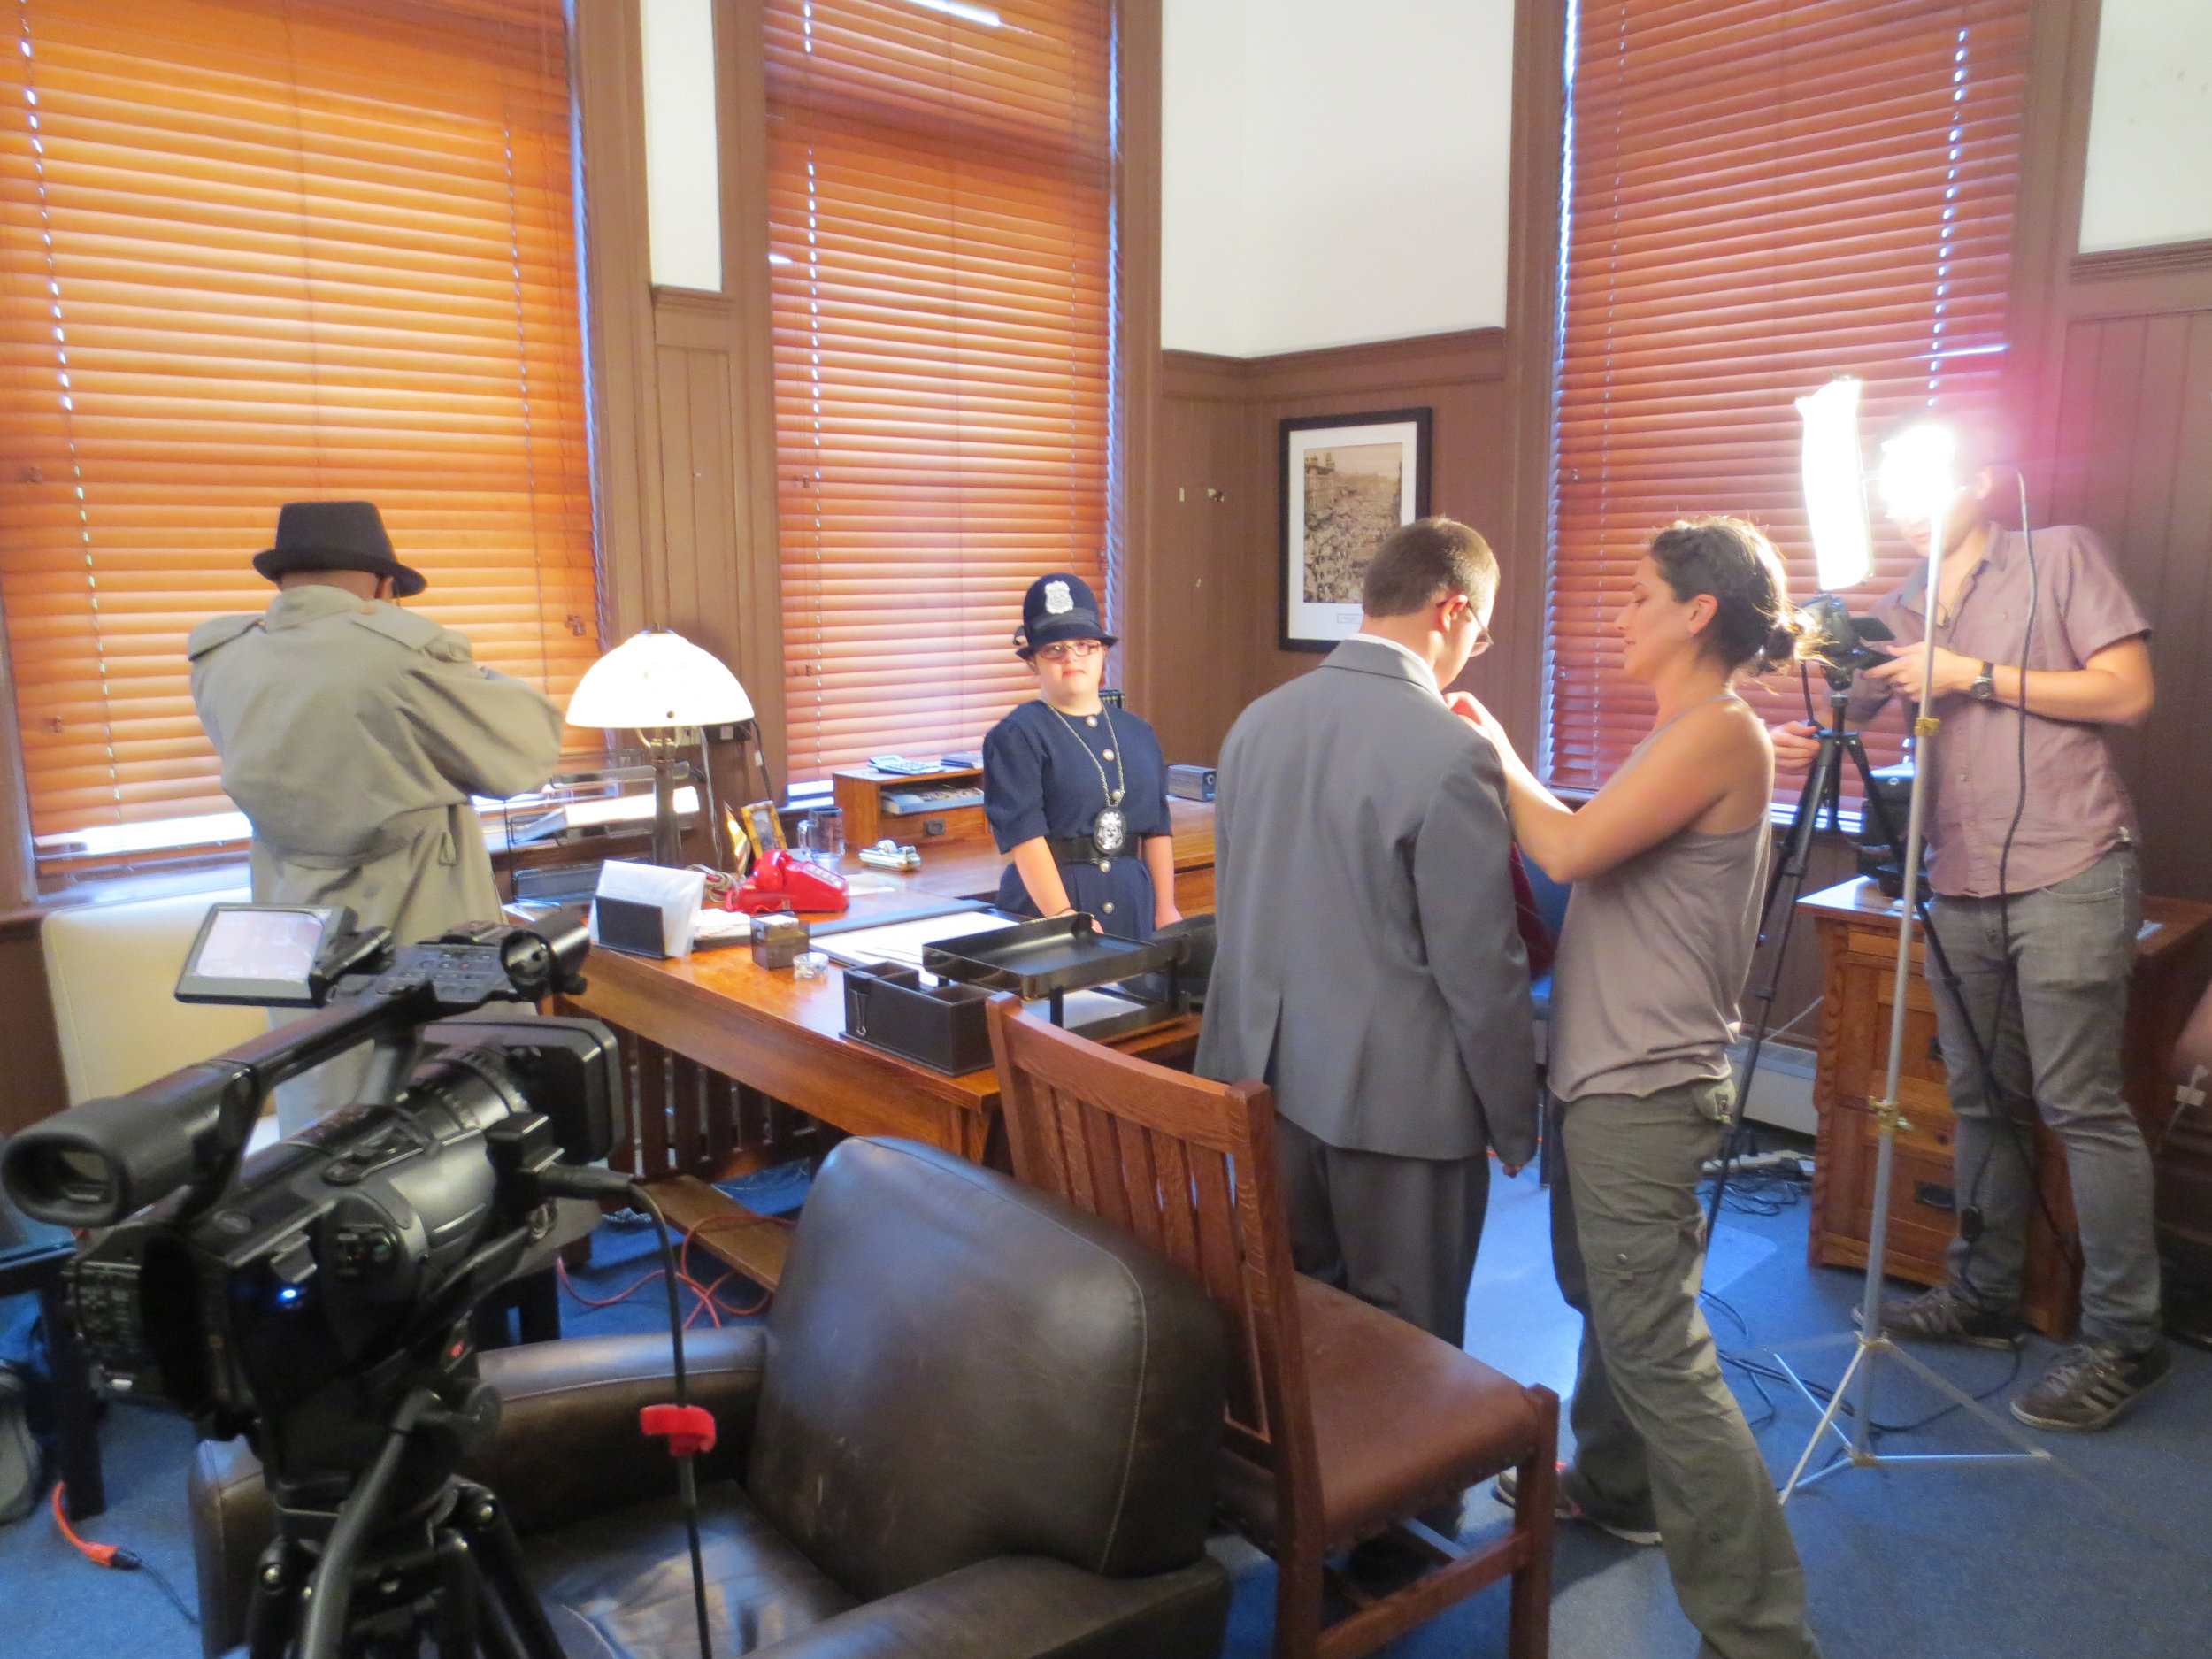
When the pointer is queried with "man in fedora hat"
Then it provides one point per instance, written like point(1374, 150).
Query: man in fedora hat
point(352, 735)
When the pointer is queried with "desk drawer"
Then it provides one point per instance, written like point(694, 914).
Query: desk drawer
point(924, 830)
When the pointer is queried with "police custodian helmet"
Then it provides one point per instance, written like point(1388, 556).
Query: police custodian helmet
point(1058, 607)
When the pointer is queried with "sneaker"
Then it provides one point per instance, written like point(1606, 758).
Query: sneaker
point(1945, 1315)
point(1566, 1508)
point(2090, 1385)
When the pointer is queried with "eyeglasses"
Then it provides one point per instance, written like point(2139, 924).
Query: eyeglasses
point(1071, 650)
point(1483, 640)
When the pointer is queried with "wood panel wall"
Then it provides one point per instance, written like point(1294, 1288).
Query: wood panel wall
point(2132, 458)
point(1205, 639)
point(683, 381)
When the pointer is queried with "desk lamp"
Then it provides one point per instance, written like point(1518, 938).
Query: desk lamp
point(654, 683)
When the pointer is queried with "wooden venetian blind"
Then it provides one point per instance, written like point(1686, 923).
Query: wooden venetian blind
point(261, 250)
point(1761, 195)
point(942, 203)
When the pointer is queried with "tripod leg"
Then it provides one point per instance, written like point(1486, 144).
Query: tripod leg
point(498, 1554)
point(273, 1613)
point(1789, 874)
point(457, 1614)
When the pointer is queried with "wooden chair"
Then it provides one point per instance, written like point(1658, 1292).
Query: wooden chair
point(1343, 1420)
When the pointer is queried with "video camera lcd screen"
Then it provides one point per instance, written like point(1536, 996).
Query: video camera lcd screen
point(256, 953)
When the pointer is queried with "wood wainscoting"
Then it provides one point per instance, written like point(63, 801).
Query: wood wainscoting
point(1202, 642)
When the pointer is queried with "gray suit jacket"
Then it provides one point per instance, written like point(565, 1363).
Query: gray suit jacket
point(1369, 968)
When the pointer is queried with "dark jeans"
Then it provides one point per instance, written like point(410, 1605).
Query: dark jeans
point(2052, 1019)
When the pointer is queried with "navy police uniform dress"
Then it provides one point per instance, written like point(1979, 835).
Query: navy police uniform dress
point(1049, 775)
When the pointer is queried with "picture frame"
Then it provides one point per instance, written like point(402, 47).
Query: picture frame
point(764, 830)
point(1346, 482)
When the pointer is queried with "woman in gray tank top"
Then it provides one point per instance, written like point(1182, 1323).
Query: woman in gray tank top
point(1668, 864)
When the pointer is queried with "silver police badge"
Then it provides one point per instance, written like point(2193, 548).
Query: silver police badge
point(1110, 832)
point(1058, 601)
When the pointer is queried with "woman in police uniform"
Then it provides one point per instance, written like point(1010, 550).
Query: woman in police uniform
point(1075, 791)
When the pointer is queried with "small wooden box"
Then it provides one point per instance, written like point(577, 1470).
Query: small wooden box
point(1858, 941)
point(860, 791)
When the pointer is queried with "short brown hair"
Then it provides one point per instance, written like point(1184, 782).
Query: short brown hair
point(1753, 622)
point(1425, 563)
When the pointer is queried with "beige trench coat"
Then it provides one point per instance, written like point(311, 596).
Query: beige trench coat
point(352, 733)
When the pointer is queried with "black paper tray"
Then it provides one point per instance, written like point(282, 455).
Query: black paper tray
point(1036, 959)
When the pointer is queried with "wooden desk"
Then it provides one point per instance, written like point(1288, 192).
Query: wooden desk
point(1858, 942)
point(732, 1066)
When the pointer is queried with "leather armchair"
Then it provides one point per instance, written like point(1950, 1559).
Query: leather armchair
point(977, 1425)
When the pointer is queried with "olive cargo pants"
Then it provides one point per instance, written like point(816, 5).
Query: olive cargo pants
point(1658, 1437)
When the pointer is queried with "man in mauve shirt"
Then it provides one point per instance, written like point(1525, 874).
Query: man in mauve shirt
point(2038, 648)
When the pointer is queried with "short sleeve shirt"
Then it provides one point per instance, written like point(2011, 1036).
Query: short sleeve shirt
point(2075, 807)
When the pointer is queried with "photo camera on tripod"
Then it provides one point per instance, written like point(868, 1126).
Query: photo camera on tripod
point(1842, 643)
point(283, 1295)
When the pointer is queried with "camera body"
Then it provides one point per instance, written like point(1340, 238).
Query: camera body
point(326, 1252)
point(292, 1294)
point(1842, 643)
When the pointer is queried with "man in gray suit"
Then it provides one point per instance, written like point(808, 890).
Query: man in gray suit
point(1369, 968)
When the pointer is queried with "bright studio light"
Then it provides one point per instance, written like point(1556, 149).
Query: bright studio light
point(1835, 492)
point(1915, 476)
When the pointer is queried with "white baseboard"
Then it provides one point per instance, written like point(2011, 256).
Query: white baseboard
point(1782, 1093)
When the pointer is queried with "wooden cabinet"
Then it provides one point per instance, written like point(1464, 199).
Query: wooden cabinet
point(860, 791)
point(1858, 944)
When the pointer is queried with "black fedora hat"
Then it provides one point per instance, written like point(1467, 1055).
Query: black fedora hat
point(335, 535)
point(1058, 607)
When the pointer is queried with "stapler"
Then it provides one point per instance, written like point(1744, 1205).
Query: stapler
point(785, 881)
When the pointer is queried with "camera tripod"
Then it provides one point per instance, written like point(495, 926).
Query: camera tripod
point(364, 1583)
point(1870, 1342)
point(1821, 797)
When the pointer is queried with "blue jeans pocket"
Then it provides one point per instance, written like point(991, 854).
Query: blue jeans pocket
point(2108, 879)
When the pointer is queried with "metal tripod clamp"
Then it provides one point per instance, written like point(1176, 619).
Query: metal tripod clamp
point(1887, 1119)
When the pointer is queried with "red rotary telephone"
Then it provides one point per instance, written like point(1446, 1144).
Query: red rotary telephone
point(784, 881)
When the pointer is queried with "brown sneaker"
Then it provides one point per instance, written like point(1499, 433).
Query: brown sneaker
point(1945, 1315)
point(2089, 1386)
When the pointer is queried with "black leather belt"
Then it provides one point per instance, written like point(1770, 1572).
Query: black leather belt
point(1076, 849)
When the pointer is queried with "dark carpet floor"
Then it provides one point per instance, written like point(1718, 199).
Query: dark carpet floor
point(2106, 1551)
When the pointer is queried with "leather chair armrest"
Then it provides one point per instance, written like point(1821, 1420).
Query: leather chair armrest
point(1027, 1606)
point(568, 1447)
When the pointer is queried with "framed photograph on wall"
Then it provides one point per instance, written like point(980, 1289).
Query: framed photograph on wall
point(1348, 481)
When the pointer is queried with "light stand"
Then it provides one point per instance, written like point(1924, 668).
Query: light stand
point(1872, 1343)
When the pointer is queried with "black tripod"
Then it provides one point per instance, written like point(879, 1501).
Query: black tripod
point(411, 1552)
point(1823, 794)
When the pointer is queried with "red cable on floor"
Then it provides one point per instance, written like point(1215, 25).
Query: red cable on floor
point(115, 1558)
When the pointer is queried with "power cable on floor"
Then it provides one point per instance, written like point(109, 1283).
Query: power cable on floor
point(116, 1559)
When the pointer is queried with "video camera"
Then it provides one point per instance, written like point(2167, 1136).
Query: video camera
point(294, 1294)
point(1842, 643)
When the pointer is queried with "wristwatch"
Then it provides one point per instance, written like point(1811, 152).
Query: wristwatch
point(1984, 686)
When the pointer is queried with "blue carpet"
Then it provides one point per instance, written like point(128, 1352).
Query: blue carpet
point(2108, 1552)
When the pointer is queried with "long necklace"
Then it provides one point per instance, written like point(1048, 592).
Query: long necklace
point(1110, 832)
